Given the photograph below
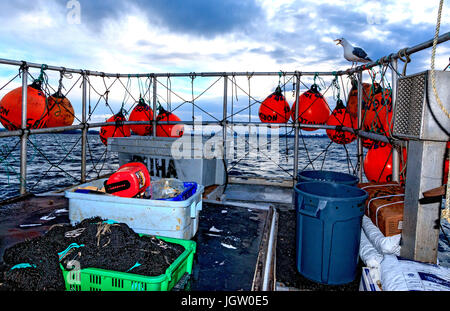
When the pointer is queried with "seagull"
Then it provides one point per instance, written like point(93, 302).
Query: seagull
point(353, 54)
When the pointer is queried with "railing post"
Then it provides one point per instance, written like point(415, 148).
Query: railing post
point(297, 128)
point(155, 101)
point(359, 114)
point(395, 153)
point(24, 137)
point(225, 111)
point(84, 130)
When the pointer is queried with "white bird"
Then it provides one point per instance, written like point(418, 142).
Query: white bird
point(353, 54)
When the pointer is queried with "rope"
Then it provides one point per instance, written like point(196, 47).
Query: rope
point(446, 211)
point(406, 60)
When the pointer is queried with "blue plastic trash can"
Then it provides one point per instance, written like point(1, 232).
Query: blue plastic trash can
point(328, 231)
point(328, 176)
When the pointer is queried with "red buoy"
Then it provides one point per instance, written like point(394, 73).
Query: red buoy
point(352, 102)
point(340, 117)
point(313, 108)
point(446, 172)
point(377, 113)
point(142, 112)
point(11, 108)
point(378, 162)
point(61, 112)
point(275, 108)
point(169, 130)
point(116, 130)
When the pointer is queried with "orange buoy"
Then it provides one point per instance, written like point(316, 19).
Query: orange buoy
point(446, 172)
point(377, 113)
point(142, 112)
point(313, 108)
point(340, 117)
point(116, 130)
point(11, 108)
point(169, 130)
point(378, 162)
point(352, 102)
point(275, 108)
point(61, 112)
point(367, 142)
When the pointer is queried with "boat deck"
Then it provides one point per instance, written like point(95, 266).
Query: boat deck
point(233, 240)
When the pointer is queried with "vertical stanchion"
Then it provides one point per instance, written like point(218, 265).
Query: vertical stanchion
point(155, 100)
point(395, 153)
point(297, 128)
point(84, 130)
point(225, 110)
point(24, 137)
point(224, 124)
point(359, 140)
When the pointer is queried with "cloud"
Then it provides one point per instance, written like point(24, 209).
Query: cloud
point(205, 18)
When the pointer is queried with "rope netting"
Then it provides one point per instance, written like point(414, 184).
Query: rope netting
point(120, 95)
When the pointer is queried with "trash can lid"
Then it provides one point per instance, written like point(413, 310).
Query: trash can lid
point(331, 176)
point(330, 191)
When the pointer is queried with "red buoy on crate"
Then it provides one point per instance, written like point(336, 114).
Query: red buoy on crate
point(116, 130)
point(11, 108)
point(275, 108)
point(142, 112)
point(169, 130)
point(313, 108)
point(378, 162)
point(129, 181)
point(61, 112)
point(340, 117)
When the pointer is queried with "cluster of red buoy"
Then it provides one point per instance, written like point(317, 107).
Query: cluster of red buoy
point(142, 112)
point(313, 109)
point(42, 111)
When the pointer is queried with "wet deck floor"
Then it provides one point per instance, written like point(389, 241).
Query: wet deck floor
point(228, 238)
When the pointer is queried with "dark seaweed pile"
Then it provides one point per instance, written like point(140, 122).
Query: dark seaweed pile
point(109, 246)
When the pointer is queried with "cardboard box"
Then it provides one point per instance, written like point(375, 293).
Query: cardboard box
point(384, 206)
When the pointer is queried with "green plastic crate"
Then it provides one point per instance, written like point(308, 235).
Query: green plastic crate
point(93, 279)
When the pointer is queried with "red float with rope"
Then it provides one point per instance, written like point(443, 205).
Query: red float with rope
point(313, 108)
point(275, 108)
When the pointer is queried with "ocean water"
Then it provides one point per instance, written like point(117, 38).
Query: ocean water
point(54, 162)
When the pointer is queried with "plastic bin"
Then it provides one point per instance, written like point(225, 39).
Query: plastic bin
point(93, 279)
point(328, 231)
point(175, 219)
point(328, 176)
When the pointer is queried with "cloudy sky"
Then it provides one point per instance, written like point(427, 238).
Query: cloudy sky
point(144, 36)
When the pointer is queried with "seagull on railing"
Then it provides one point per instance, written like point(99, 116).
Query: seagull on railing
point(353, 54)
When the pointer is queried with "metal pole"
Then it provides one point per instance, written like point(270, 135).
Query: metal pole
point(84, 129)
point(155, 100)
point(224, 129)
point(225, 110)
point(24, 137)
point(297, 128)
point(395, 153)
point(359, 140)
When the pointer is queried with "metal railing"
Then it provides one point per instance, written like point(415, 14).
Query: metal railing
point(84, 126)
